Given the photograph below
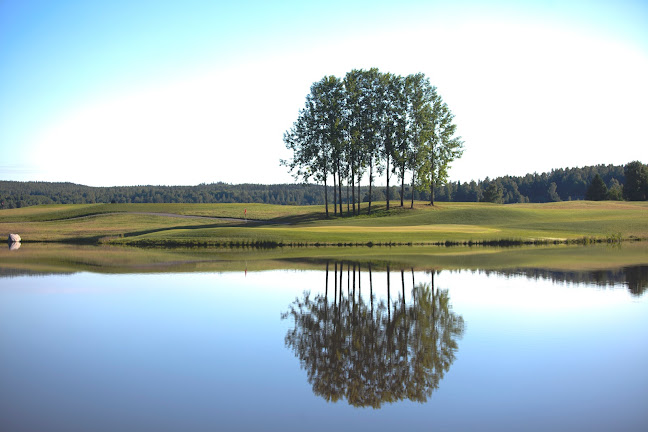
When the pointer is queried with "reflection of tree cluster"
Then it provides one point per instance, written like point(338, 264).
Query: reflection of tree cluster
point(370, 353)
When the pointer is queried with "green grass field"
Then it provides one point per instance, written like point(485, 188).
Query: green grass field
point(155, 224)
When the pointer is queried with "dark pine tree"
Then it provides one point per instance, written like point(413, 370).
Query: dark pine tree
point(597, 191)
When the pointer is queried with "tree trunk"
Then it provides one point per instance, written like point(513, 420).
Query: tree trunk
point(402, 184)
point(413, 178)
point(347, 198)
point(431, 192)
point(326, 199)
point(387, 182)
point(353, 188)
point(334, 194)
point(432, 184)
point(370, 183)
point(359, 195)
point(432, 195)
point(339, 186)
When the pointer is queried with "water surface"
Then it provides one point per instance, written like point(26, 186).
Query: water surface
point(297, 349)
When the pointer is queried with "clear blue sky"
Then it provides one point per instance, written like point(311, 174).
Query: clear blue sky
point(185, 92)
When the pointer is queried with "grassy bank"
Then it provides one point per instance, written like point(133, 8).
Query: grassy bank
point(272, 225)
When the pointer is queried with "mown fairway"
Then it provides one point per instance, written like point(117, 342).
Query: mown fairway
point(151, 224)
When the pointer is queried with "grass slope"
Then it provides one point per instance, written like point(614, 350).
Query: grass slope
point(138, 224)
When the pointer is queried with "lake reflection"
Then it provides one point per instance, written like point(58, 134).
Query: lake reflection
point(374, 352)
point(294, 350)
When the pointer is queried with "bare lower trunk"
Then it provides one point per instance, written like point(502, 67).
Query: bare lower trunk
point(347, 199)
point(339, 187)
point(387, 183)
point(432, 184)
point(359, 195)
point(326, 199)
point(353, 190)
point(431, 193)
point(334, 194)
point(413, 178)
point(402, 185)
point(370, 183)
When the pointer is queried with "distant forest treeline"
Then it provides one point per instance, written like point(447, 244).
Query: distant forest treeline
point(557, 185)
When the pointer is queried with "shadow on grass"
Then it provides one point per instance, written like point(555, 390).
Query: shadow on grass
point(376, 211)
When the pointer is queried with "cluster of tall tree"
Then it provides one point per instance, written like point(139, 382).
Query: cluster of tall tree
point(374, 352)
point(372, 123)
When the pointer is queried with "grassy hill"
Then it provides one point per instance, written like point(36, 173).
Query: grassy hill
point(222, 224)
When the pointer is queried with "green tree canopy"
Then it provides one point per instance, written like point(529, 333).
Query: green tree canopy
point(493, 193)
point(636, 182)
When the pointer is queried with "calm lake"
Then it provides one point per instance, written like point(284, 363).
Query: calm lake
point(337, 346)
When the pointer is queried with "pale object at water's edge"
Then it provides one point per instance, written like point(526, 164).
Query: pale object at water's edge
point(14, 238)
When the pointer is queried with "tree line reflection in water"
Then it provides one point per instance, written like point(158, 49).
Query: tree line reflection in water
point(635, 278)
point(372, 351)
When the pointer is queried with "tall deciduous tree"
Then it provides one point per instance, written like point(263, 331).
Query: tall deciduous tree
point(316, 136)
point(393, 114)
point(414, 155)
point(372, 104)
point(431, 133)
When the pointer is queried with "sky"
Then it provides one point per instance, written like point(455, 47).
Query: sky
point(129, 92)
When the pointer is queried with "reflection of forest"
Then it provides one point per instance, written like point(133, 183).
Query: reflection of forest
point(374, 351)
point(635, 278)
